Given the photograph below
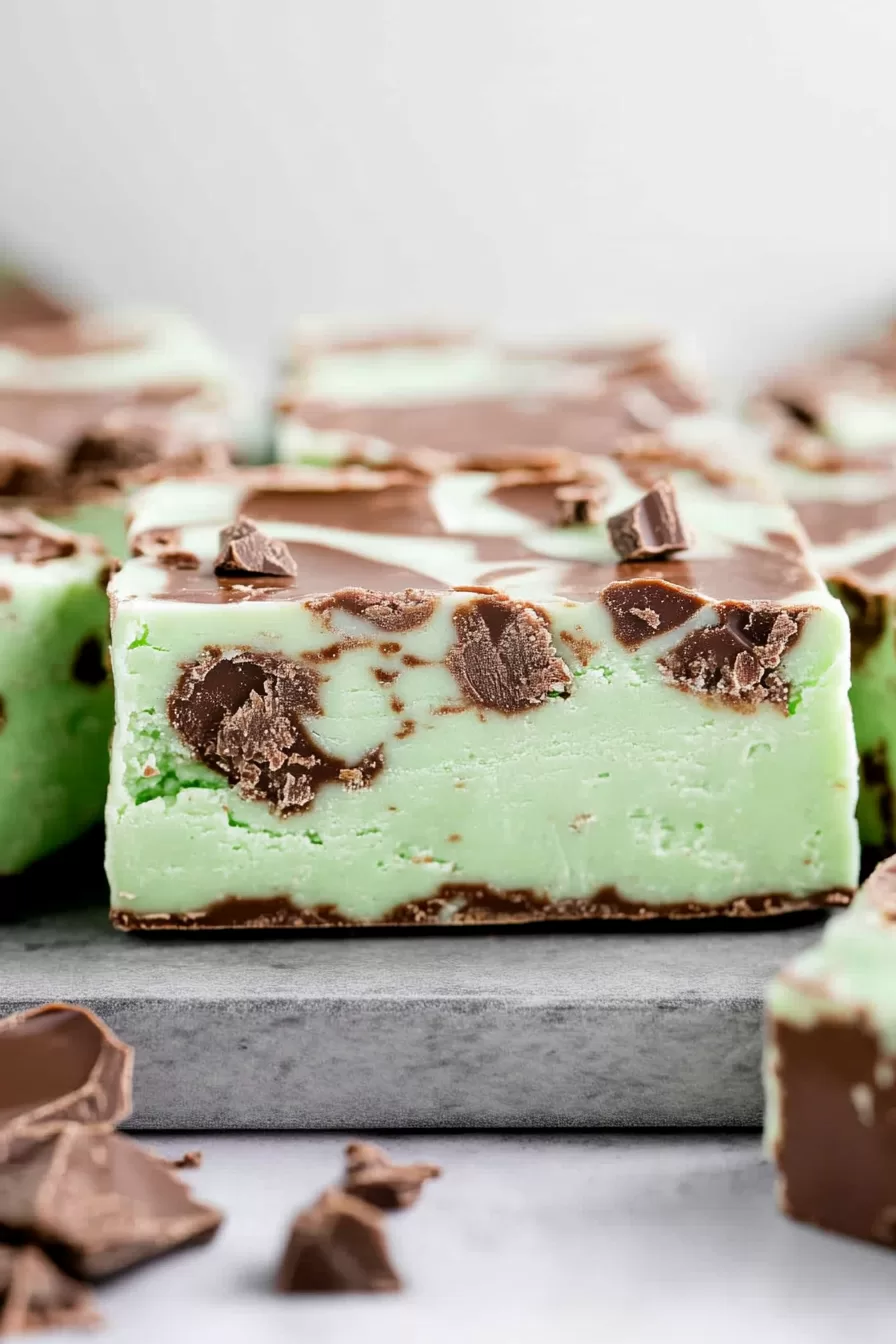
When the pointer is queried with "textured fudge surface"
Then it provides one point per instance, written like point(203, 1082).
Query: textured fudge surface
point(55, 696)
point(831, 1071)
point(457, 710)
point(370, 396)
point(833, 436)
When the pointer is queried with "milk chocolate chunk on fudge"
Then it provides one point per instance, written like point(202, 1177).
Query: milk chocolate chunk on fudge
point(61, 1063)
point(54, 687)
point(371, 1175)
point(651, 528)
point(376, 395)
point(338, 1245)
point(831, 1071)
point(95, 1200)
point(36, 1295)
point(457, 710)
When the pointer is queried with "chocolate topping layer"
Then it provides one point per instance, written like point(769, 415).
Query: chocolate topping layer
point(652, 528)
point(371, 1175)
point(735, 661)
point(60, 1062)
point(642, 609)
point(337, 1246)
point(35, 1295)
point(61, 417)
point(246, 550)
point(388, 502)
point(32, 542)
point(393, 612)
point(95, 1199)
point(242, 714)
point(504, 657)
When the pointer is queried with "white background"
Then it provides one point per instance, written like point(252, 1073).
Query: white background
point(724, 165)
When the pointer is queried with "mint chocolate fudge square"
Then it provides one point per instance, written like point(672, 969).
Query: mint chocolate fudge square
point(55, 691)
point(575, 688)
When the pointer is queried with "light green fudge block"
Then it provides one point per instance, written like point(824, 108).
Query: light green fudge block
point(578, 771)
point(55, 696)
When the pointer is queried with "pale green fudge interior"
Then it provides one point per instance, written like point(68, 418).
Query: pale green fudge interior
point(56, 712)
point(627, 784)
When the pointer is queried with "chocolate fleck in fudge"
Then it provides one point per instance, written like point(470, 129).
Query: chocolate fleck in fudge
point(370, 396)
point(55, 692)
point(831, 1071)
point(359, 698)
point(840, 478)
point(90, 406)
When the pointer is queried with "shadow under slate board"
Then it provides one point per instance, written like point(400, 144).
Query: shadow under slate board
point(587, 1026)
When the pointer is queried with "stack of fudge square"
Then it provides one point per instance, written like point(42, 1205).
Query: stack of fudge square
point(501, 634)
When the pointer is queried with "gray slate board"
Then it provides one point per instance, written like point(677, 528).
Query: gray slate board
point(594, 1026)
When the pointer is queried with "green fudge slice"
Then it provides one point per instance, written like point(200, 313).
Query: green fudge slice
point(833, 443)
point(462, 709)
point(55, 692)
point(830, 1071)
point(371, 396)
point(92, 405)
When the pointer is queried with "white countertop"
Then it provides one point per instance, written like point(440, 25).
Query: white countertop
point(597, 1237)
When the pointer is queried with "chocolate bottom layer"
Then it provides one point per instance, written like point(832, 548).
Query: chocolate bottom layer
point(467, 903)
point(836, 1151)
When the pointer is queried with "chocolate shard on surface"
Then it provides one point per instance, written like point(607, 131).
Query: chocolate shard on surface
point(94, 1199)
point(582, 502)
point(35, 1295)
point(371, 1175)
point(651, 528)
point(245, 549)
point(61, 1063)
point(337, 1246)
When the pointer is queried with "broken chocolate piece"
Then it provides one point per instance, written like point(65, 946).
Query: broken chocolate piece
point(35, 1295)
point(735, 661)
point(188, 1161)
point(651, 528)
point(582, 502)
point(337, 1246)
point(32, 542)
point(245, 549)
point(96, 1200)
point(60, 1062)
point(371, 1175)
point(504, 657)
point(242, 715)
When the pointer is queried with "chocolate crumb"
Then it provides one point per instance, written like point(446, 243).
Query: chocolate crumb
point(407, 729)
point(651, 528)
point(581, 503)
point(35, 1295)
point(337, 1246)
point(736, 660)
point(89, 667)
point(188, 1161)
point(246, 550)
point(371, 1175)
point(504, 657)
point(243, 714)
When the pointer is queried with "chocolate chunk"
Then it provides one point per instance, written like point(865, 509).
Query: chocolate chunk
point(90, 663)
point(60, 1062)
point(735, 661)
point(580, 503)
point(393, 612)
point(130, 443)
point(242, 715)
point(27, 467)
point(651, 527)
point(642, 609)
point(371, 1175)
point(245, 549)
point(95, 1199)
point(35, 1295)
point(337, 1246)
point(504, 657)
point(32, 542)
point(188, 1161)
